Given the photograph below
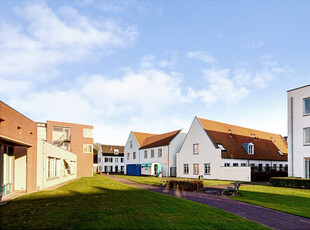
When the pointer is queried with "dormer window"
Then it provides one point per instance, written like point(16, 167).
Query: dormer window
point(251, 148)
point(116, 151)
point(280, 153)
point(221, 147)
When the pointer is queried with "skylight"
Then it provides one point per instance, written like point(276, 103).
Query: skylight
point(221, 147)
point(280, 153)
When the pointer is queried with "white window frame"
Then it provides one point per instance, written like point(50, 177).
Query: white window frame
point(304, 105)
point(145, 154)
point(207, 169)
point(160, 152)
point(305, 129)
point(235, 165)
point(134, 155)
point(88, 150)
point(196, 173)
point(116, 160)
point(88, 133)
point(130, 144)
point(128, 156)
point(196, 148)
point(116, 151)
point(185, 169)
point(227, 164)
point(251, 149)
point(152, 153)
point(243, 164)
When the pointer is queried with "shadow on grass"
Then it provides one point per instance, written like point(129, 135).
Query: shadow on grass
point(286, 203)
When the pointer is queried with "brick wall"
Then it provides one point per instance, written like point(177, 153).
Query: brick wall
point(21, 129)
point(84, 160)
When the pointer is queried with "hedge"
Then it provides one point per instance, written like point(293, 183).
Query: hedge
point(290, 182)
point(184, 185)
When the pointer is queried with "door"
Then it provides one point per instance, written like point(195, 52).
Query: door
point(116, 168)
point(7, 170)
point(155, 169)
point(20, 172)
point(173, 171)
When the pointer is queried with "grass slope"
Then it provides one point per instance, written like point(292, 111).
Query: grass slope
point(158, 181)
point(290, 200)
point(102, 203)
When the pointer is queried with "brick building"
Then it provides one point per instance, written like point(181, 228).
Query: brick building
point(18, 151)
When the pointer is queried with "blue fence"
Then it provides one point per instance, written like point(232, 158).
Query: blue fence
point(133, 169)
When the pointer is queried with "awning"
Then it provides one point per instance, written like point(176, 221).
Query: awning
point(15, 142)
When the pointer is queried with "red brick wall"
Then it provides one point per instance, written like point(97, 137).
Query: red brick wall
point(84, 160)
point(27, 132)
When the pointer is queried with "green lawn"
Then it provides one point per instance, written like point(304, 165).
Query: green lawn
point(100, 203)
point(158, 180)
point(290, 200)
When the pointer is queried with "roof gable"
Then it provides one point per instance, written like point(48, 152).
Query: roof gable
point(267, 145)
point(109, 149)
point(159, 140)
point(140, 137)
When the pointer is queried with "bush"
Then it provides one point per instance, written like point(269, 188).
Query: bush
point(184, 185)
point(290, 182)
point(265, 176)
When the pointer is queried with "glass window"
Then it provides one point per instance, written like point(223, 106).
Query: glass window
point(116, 160)
point(152, 153)
point(134, 155)
point(251, 148)
point(130, 144)
point(122, 160)
point(145, 153)
point(128, 156)
point(160, 152)
point(307, 174)
point(306, 106)
point(87, 148)
point(227, 164)
point(306, 136)
point(221, 147)
point(196, 148)
point(88, 133)
point(116, 151)
point(196, 168)
point(243, 164)
point(235, 164)
point(186, 169)
point(207, 168)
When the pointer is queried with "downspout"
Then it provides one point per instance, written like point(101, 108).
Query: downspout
point(292, 144)
point(168, 160)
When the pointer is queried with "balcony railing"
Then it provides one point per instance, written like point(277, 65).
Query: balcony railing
point(62, 139)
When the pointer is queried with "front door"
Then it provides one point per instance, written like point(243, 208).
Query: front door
point(116, 168)
point(155, 169)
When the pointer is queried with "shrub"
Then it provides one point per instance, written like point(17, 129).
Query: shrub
point(265, 176)
point(184, 185)
point(290, 182)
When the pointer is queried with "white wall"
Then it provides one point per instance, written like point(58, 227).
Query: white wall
point(207, 153)
point(297, 152)
point(20, 173)
point(235, 173)
point(46, 150)
point(135, 148)
point(113, 164)
point(249, 162)
point(164, 160)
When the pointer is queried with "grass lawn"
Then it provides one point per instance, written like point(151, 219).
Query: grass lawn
point(158, 181)
point(100, 203)
point(290, 200)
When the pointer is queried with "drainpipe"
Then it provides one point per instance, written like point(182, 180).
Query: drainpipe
point(168, 161)
point(292, 144)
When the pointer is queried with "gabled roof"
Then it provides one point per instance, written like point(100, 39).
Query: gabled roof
point(266, 145)
point(156, 140)
point(108, 150)
point(142, 136)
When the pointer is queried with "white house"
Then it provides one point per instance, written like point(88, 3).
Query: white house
point(299, 132)
point(151, 154)
point(111, 158)
point(222, 151)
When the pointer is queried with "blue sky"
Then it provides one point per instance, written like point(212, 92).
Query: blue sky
point(152, 66)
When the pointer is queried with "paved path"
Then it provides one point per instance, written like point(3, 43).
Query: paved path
point(268, 217)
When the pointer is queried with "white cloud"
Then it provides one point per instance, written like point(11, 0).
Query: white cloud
point(53, 38)
point(202, 57)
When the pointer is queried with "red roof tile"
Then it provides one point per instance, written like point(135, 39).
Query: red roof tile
point(159, 140)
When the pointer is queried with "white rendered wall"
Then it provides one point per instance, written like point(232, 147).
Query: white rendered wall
point(135, 148)
point(20, 173)
point(113, 164)
point(235, 173)
point(207, 153)
point(297, 152)
point(249, 162)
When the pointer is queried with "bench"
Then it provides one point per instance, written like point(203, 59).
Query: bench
point(234, 189)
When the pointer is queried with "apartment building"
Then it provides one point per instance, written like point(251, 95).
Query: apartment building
point(111, 159)
point(298, 101)
point(217, 150)
point(18, 151)
point(75, 138)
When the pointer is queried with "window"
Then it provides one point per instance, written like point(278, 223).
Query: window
point(274, 166)
point(152, 153)
point(160, 152)
point(221, 147)
point(185, 168)
point(128, 156)
point(108, 159)
point(87, 148)
point(134, 155)
point(260, 167)
point(65, 146)
point(116, 151)
point(251, 149)
point(307, 106)
point(252, 165)
point(196, 168)
point(145, 154)
point(122, 159)
point(130, 144)
point(88, 133)
point(53, 167)
point(243, 164)
point(307, 168)
point(196, 148)
point(227, 164)
point(280, 153)
point(235, 164)
point(207, 168)
point(306, 136)
point(281, 167)
point(116, 160)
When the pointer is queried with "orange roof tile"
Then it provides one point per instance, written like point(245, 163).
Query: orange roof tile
point(266, 145)
point(159, 140)
point(142, 136)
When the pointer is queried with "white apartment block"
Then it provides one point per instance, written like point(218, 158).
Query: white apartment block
point(111, 159)
point(299, 132)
